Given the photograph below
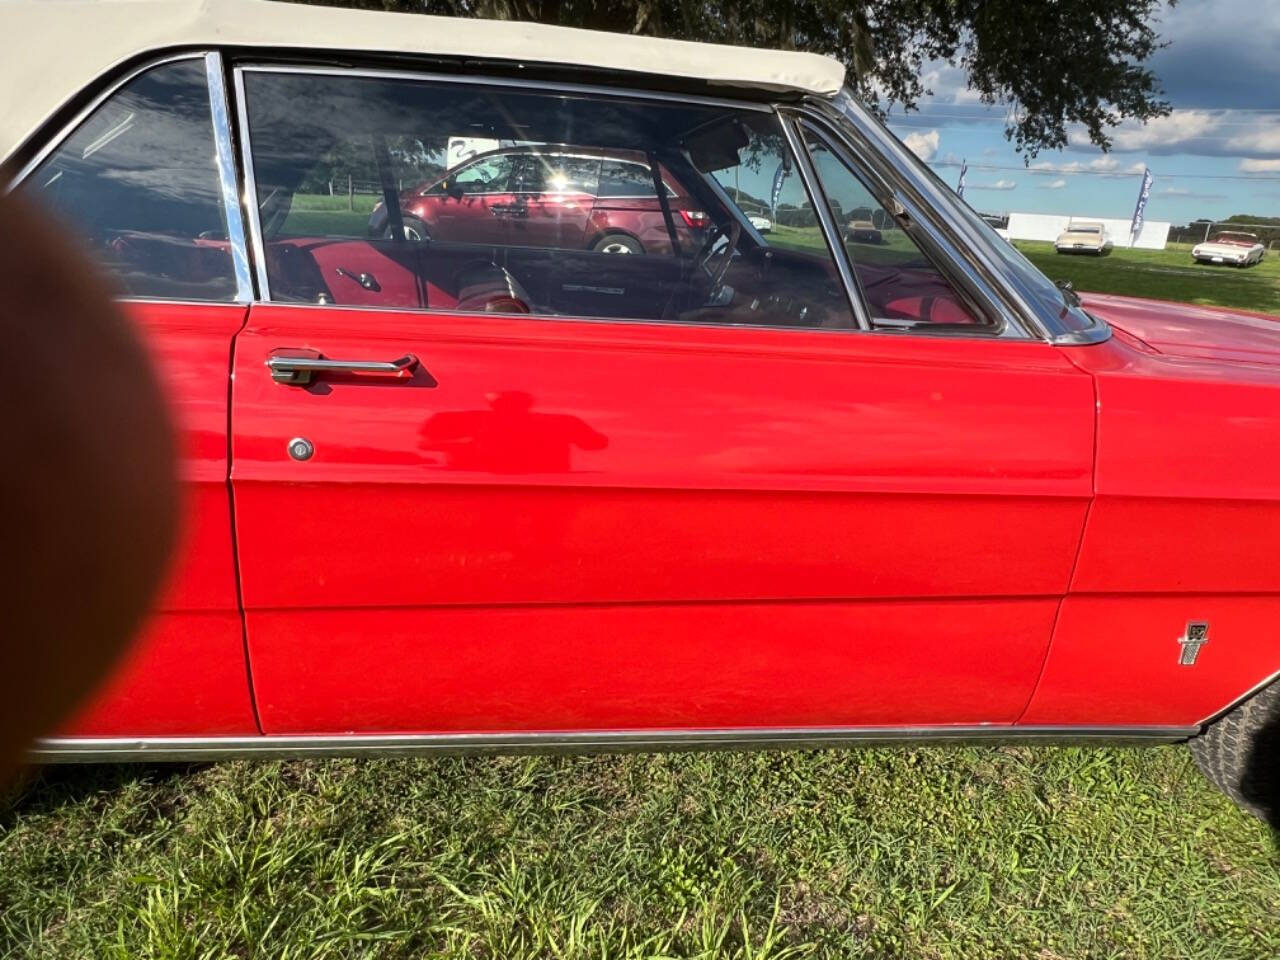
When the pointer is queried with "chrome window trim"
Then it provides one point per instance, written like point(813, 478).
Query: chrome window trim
point(113, 749)
point(561, 318)
point(935, 245)
point(227, 178)
point(250, 196)
point(830, 231)
point(997, 323)
point(1082, 338)
point(973, 252)
point(915, 196)
point(81, 116)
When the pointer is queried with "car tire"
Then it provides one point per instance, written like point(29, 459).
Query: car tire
point(617, 243)
point(414, 230)
point(1240, 754)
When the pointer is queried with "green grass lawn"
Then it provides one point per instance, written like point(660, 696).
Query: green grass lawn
point(1040, 853)
point(1043, 853)
point(1168, 274)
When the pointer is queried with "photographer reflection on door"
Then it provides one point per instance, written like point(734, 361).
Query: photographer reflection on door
point(509, 437)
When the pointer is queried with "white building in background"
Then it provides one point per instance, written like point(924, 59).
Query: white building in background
point(1047, 226)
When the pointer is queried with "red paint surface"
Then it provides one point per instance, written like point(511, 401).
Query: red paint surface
point(626, 667)
point(589, 465)
point(1185, 525)
point(567, 525)
point(186, 672)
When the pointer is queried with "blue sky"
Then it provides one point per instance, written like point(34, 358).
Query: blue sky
point(1217, 154)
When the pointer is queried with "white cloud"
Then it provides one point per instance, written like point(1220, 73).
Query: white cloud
point(923, 145)
point(1200, 132)
point(1257, 141)
point(1104, 165)
point(998, 185)
point(1184, 194)
point(1054, 185)
point(1177, 127)
point(1260, 166)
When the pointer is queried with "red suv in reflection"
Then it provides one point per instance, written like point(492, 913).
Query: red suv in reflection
point(545, 196)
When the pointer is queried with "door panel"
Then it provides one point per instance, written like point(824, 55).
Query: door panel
point(186, 673)
point(589, 524)
point(461, 669)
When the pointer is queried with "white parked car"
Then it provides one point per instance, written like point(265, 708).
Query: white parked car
point(761, 223)
point(1083, 238)
point(1236, 249)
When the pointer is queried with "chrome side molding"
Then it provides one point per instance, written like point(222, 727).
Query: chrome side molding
point(169, 749)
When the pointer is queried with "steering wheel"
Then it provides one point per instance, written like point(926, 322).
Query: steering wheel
point(707, 254)
point(704, 260)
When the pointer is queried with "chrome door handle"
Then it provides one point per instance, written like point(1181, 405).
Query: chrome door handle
point(299, 369)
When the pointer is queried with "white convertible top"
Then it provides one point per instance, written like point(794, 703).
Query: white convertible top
point(56, 48)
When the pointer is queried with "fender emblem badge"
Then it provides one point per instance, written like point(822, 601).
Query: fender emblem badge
point(1197, 636)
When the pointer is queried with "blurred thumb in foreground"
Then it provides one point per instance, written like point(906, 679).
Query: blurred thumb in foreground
point(88, 496)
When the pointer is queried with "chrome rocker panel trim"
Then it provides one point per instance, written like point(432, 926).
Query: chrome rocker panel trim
point(167, 749)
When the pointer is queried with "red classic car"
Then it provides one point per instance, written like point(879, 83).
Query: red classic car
point(549, 195)
point(508, 491)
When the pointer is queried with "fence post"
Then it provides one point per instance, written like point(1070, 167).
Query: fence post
point(351, 197)
point(1206, 231)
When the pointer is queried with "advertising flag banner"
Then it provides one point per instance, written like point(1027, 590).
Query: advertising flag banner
point(1139, 212)
point(776, 192)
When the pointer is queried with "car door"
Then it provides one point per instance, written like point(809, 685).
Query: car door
point(476, 202)
point(741, 514)
point(554, 194)
point(138, 184)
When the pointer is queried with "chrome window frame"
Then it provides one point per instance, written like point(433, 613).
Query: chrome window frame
point(830, 229)
point(926, 200)
point(808, 179)
point(224, 159)
point(228, 179)
point(998, 322)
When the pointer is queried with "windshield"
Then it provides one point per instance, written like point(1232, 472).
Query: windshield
point(1032, 285)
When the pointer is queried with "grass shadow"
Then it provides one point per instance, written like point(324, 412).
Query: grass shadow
point(47, 789)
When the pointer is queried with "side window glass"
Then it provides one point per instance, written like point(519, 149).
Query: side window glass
point(902, 288)
point(526, 202)
point(490, 175)
point(621, 178)
point(568, 175)
point(138, 182)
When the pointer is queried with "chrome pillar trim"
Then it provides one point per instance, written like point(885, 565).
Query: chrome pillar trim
point(70, 126)
point(226, 160)
point(109, 750)
point(830, 229)
point(1081, 338)
point(250, 197)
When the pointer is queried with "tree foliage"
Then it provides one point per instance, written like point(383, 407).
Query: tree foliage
point(1053, 62)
